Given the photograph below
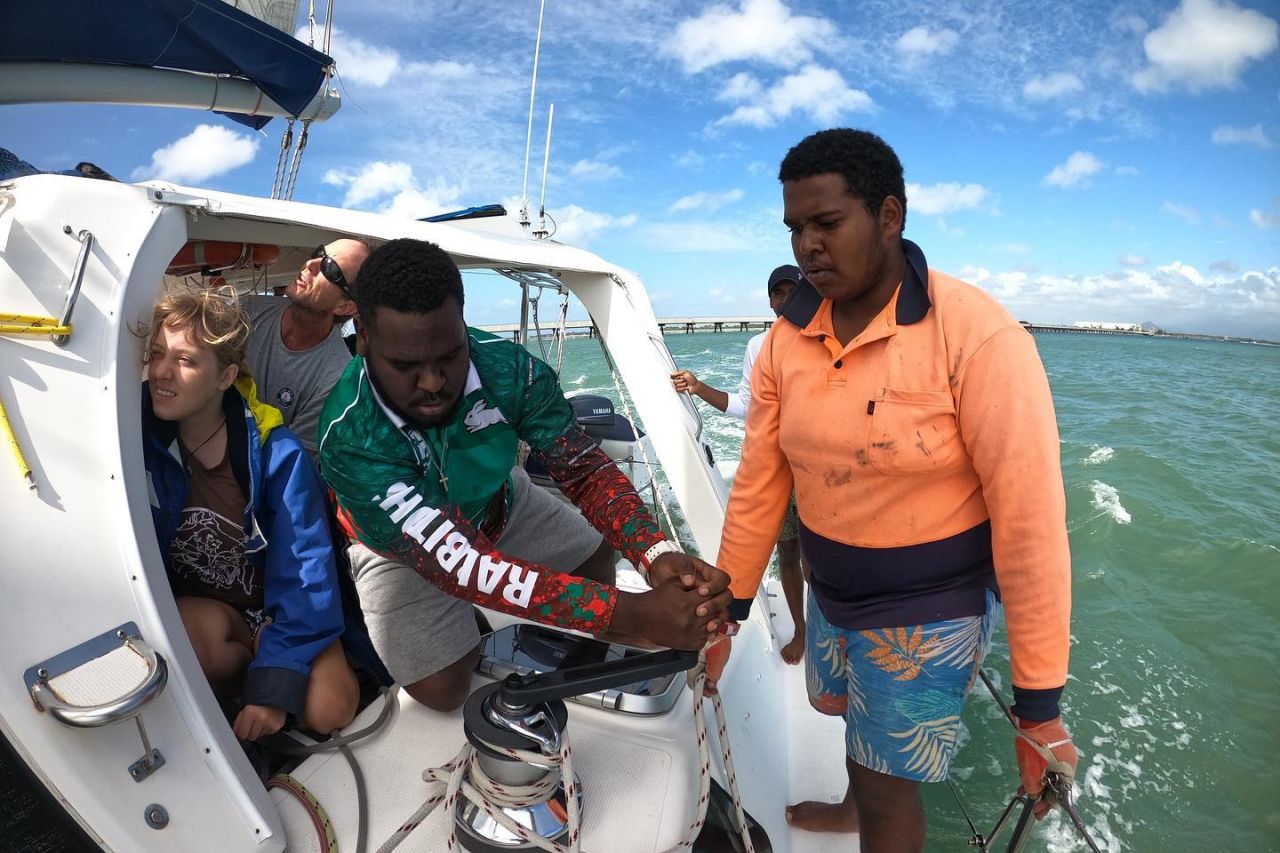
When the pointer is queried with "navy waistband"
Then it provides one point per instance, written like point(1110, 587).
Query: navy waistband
point(860, 587)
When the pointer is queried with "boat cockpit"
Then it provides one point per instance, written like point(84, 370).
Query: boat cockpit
point(96, 627)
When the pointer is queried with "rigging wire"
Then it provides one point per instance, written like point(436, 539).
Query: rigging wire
point(528, 137)
point(644, 453)
point(328, 27)
point(286, 144)
point(297, 160)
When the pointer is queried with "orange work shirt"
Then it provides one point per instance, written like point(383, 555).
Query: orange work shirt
point(924, 456)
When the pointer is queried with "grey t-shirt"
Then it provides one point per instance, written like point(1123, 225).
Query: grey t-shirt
point(296, 383)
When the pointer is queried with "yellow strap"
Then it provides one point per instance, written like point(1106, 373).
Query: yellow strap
point(29, 324)
point(18, 455)
point(10, 329)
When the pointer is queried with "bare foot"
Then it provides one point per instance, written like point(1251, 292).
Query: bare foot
point(793, 652)
point(824, 817)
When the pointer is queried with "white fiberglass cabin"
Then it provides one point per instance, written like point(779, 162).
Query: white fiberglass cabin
point(100, 692)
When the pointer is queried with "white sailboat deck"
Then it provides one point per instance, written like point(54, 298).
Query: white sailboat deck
point(639, 774)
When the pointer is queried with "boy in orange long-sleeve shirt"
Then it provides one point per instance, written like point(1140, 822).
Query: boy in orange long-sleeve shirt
point(912, 416)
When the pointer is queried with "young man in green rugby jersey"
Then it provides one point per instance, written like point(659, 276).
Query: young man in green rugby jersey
point(418, 440)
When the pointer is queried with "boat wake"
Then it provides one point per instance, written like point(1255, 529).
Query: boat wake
point(1100, 455)
point(1107, 501)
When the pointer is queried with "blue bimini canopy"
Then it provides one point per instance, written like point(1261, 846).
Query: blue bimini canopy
point(206, 36)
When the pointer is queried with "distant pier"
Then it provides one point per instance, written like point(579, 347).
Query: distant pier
point(1086, 330)
point(688, 325)
point(714, 324)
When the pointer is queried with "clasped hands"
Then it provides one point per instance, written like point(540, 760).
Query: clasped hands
point(687, 605)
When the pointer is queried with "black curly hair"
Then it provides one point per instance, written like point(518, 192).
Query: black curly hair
point(871, 169)
point(407, 275)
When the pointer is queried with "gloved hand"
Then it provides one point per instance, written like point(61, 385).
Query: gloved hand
point(1040, 748)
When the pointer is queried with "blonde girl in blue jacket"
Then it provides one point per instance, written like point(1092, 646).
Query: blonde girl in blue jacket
point(240, 518)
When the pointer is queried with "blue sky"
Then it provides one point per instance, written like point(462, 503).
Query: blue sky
point(1081, 161)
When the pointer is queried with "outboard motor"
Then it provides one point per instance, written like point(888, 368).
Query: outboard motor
point(527, 713)
point(600, 420)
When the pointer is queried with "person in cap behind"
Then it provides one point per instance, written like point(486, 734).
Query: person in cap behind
point(735, 404)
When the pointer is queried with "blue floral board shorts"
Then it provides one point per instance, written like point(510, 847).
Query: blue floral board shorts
point(900, 690)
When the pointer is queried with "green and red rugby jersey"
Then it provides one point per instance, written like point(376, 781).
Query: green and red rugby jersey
point(422, 497)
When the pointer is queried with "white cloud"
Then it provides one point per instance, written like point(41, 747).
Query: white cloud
point(1051, 86)
point(920, 43)
point(358, 61)
point(594, 170)
point(205, 152)
point(937, 199)
point(392, 188)
point(690, 160)
point(1015, 249)
point(762, 30)
point(579, 226)
point(1204, 44)
point(1263, 219)
point(1185, 271)
point(1175, 296)
point(820, 93)
point(1188, 214)
point(1127, 171)
point(705, 201)
point(741, 87)
point(947, 229)
point(1079, 166)
point(372, 181)
point(1226, 135)
point(1133, 261)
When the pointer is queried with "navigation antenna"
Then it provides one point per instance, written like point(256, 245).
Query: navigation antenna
point(541, 231)
point(528, 136)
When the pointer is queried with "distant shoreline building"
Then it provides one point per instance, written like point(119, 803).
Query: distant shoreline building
point(1107, 326)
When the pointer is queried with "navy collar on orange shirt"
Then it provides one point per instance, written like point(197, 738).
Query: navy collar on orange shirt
point(913, 296)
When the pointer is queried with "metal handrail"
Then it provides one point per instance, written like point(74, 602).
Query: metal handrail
point(77, 280)
point(106, 713)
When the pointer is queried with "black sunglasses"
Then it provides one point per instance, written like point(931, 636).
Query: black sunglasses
point(329, 269)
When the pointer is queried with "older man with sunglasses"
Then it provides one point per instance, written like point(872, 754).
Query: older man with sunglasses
point(296, 352)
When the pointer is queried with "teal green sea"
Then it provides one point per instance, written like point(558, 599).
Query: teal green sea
point(1171, 460)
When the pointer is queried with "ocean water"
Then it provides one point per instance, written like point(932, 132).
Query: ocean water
point(1171, 461)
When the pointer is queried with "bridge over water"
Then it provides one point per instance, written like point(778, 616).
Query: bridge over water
point(1085, 330)
point(687, 325)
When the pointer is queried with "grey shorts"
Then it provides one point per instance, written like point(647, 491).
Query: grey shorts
point(419, 630)
point(790, 522)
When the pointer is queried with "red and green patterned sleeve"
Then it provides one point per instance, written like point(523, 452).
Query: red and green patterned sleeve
point(583, 471)
point(607, 499)
point(387, 509)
